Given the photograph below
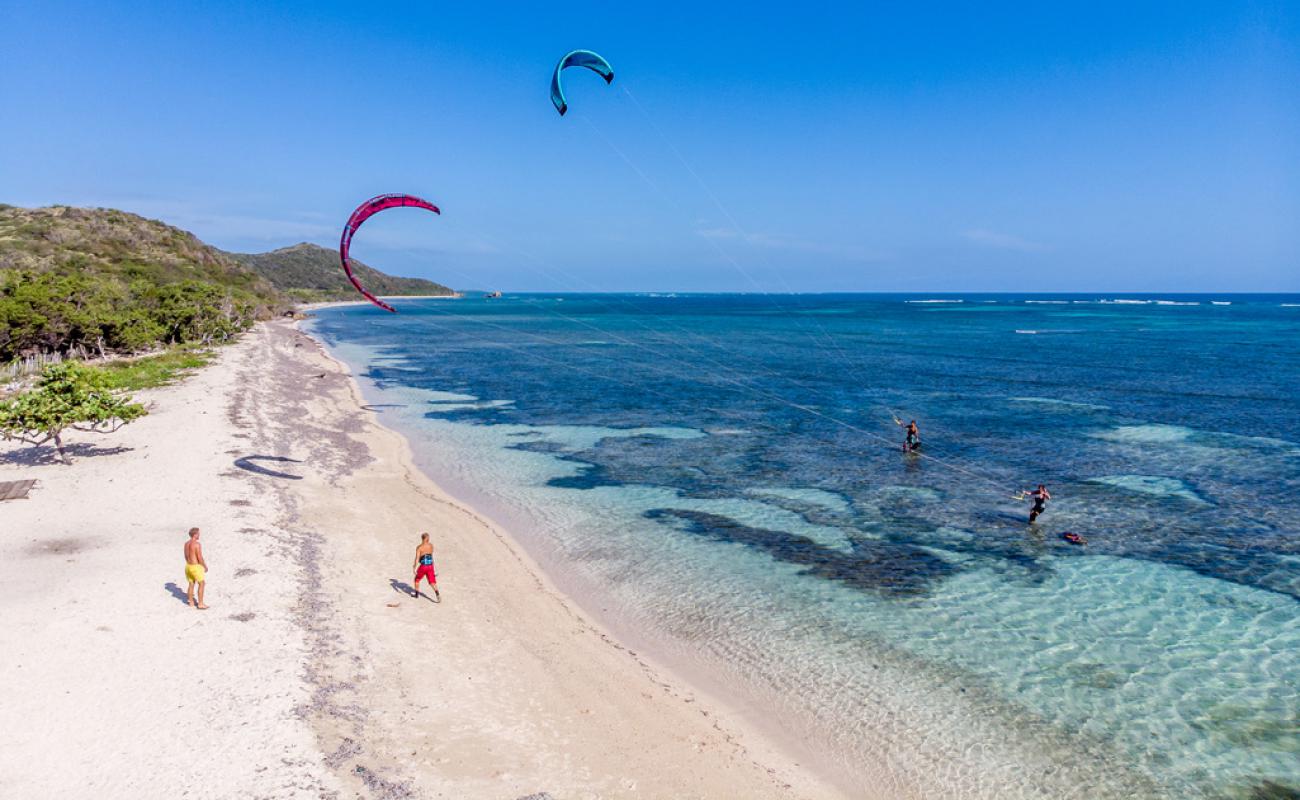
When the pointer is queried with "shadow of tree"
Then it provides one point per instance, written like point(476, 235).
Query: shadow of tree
point(39, 456)
point(246, 463)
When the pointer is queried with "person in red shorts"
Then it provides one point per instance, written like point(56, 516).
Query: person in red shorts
point(424, 568)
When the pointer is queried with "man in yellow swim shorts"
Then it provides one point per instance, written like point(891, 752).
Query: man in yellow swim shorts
point(196, 569)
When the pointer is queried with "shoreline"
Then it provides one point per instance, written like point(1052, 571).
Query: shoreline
point(313, 675)
point(306, 307)
point(998, 752)
point(768, 755)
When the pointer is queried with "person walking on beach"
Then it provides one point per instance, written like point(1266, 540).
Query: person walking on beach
point(1040, 496)
point(196, 569)
point(424, 568)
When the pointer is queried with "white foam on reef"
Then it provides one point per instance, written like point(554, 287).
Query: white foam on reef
point(1052, 403)
point(817, 497)
point(1290, 305)
point(1125, 302)
point(1146, 434)
point(1047, 302)
point(934, 301)
point(1176, 303)
point(1220, 302)
point(1156, 485)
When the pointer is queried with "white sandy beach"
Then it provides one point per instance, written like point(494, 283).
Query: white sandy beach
point(313, 674)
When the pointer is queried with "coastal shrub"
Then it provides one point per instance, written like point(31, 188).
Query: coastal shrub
point(157, 370)
point(52, 312)
point(67, 396)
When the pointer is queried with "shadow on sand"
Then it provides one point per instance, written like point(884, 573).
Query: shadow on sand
point(404, 588)
point(176, 592)
point(246, 463)
point(46, 454)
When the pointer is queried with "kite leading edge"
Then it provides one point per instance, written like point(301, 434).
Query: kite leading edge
point(364, 212)
point(578, 58)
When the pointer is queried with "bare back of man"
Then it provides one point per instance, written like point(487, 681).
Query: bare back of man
point(424, 568)
point(196, 569)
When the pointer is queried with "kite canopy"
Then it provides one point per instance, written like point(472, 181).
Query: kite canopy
point(578, 58)
point(364, 212)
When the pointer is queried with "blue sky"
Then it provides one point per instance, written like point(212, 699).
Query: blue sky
point(857, 147)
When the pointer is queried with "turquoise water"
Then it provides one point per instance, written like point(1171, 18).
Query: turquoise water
point(719, 478)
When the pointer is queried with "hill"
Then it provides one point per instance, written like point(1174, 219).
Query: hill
point(311, 273)
point(120, 244)
point(96, 279)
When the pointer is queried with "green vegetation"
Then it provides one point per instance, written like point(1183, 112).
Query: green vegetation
point(68, 395)
point(312, 274)
point(160, 370)
point(78, 280)
point(81, 282)
point(51, 312)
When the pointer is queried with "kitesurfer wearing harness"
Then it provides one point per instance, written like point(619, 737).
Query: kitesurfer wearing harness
point(1040, 496)
point(912, 442)
point(424, 568)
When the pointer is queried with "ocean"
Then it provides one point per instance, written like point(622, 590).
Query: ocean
point(720, 480)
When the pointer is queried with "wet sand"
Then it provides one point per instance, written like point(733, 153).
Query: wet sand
point(314, 673)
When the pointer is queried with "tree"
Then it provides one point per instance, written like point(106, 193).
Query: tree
point(68, 395)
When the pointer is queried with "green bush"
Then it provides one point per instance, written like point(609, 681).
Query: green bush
point(68, 395)
point(159, 370)
point(52, 312)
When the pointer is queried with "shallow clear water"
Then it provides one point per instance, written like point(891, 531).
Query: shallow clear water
point(719, 477)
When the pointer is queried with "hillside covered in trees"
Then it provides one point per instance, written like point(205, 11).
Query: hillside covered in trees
point(104, 280)
point(311, 273)
point(95, 280)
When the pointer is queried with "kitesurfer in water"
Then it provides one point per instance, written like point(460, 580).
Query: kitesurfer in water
point(912, 441)
point(424, 568)
point(1040, 496)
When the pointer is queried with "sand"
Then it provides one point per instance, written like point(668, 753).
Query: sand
point(314, 674)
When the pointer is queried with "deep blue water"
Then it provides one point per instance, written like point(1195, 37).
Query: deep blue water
point(746, 445)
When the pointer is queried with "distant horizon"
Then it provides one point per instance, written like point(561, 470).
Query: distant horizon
point(901, 294)
point(433, 277)
point(1009, 145)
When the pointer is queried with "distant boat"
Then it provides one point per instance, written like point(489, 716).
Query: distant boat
point(492, 295)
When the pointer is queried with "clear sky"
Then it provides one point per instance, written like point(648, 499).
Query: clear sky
point(1090, 146)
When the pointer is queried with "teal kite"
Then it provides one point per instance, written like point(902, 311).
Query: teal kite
point(578, 58)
